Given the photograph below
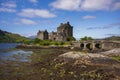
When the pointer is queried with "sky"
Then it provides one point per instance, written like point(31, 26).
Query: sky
point(95, 18)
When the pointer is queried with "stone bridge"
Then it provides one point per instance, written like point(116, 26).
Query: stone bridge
point(96, 45)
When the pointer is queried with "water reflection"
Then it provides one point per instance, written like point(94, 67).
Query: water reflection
point(16, 55)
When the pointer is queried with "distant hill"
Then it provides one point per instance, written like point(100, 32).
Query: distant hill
point(33, 37)
point(113, 38)
point(11, 37)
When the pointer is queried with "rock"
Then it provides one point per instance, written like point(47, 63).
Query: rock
point(79, 58)
point(113, 52)
point(80, 55)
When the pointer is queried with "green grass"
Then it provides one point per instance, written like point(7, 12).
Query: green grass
point(49, 42)
point(117, 58)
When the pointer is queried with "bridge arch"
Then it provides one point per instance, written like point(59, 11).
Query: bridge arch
point(98, 45)
point(89, 46)
point(82, 45)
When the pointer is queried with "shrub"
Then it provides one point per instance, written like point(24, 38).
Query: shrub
point(70, 39)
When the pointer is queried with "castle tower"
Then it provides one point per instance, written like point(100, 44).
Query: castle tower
point(66, 30)
point(42, 35)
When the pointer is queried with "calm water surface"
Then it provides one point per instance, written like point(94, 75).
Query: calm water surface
point(8, 45)
point(6, 53)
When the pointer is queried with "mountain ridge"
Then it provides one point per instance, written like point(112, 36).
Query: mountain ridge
point(11, 37)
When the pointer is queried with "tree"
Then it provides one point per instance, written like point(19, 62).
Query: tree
point(86, 38)
point(89, 38)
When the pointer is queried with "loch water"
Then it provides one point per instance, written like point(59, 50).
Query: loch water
point(8, 52)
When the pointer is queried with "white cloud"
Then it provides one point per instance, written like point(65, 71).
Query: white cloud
point(7, 10)
point(9, 5)
point(109, 26)
point(27, 22)
point(36, 13)
point(33, 1)
point(96, 5)
point(86, 5)
point(88, 17)
point(66, 4)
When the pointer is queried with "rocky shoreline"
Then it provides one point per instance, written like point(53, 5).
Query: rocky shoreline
point(42, 47)
point(62, 64)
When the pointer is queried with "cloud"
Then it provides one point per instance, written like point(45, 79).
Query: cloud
point(7, 10)
point(21, 21)
point(86, 5)
point(91, 28)
point(92, 5)
point(116, 6)
point(27, 22)
point(112, 25)
point(31, 13)
point(88, 17)
point(106, 27)
point(112, 34)
point(33, 1)
point(66, 4)
point(8, 7)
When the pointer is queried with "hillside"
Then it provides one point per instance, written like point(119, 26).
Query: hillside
point(33, 37)
point(113, 38)
point(11, 37)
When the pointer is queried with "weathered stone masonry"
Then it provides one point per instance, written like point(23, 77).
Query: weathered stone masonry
point(64, 31)
point(95, 45)
point(43, 35)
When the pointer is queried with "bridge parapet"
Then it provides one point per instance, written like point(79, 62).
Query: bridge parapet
point(95, 45)
point(110, 45)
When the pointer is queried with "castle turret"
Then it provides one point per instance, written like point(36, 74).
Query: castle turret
point(43, 35)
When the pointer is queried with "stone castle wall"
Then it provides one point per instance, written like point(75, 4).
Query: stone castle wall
point(42, 35)
point(64, 31)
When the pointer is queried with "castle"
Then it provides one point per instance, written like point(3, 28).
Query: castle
point(64, 31)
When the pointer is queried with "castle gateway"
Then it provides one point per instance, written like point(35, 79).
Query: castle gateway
point(64, 31)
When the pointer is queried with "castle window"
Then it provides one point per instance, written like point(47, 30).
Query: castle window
point(54, 38)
